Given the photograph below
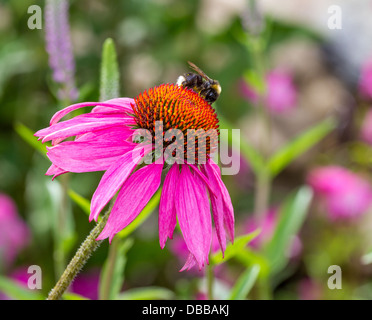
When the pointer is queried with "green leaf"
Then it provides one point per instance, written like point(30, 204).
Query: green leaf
point(143, 216)
point(82, 202)
point(298, 146)
point(112, 276)
point(245, 283)
point(110, 77)
point(148, 293)
point(73, 296)
point(28, 136)
point(252, 156)
point(234, 249)
point(291, 218)
point(16, 291)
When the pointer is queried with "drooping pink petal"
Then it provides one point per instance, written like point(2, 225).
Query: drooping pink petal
point(194, 215)
point(167, 209)
point(223, 211)
point(190, 262)
point(87, 156)
point(132, 199)
point(119, 104)
point(113, 179)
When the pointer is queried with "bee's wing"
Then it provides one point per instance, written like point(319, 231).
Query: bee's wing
point(198, 70)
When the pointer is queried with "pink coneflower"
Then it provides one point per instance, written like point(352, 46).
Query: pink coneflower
point(14, 233)
point(281, 94)
point(346, 195)
point(104, 142)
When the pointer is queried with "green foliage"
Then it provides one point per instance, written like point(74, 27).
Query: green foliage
point(245, 283)
point(110, 79)
point(28, 136)
point(291, 218)
point(304, 142)
point(18, 292)
point(147, 293)
point(112, 276)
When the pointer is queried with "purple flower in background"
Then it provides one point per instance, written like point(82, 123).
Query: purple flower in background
point(365, 81)
point(14, 233)
point(346, 195)
point(281, 93)
point(59, 48)
point(366, 130)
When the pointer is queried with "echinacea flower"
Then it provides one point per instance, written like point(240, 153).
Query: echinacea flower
point(346, 195)
point(107, 139)
point(14, 233)
point(281, 94)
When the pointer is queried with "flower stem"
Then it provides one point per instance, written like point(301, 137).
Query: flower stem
point(210, 281)
point(79, 260)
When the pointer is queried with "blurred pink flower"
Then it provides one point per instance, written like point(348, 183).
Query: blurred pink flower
point(14, 233)
point(308, 289)
point(365, 81)
point(281, 93)
point(267, 228)
point(104, 142)
point(366, 130)
point(86, 284)
point(346, 195)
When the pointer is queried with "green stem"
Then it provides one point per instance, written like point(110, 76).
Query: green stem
point(113, 253)
point(262, 195)
point(79, 260)
point(210, 281)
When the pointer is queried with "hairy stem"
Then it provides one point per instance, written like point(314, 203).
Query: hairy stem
point(79, 260)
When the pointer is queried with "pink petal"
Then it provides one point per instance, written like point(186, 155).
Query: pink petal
point(55, 171)
point(204, 178)
point(79, 125)
point(223, 211)
point(132, 199)
point(119, 104)
point(113, 134)
point(194, 215)
point(125, 103)
point(113, 179)
point(87, 156)
point(167, 209)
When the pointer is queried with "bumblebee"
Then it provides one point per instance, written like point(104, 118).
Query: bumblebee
point(206, 87)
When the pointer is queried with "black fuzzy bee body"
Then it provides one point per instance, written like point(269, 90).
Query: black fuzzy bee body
point(206, 87)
